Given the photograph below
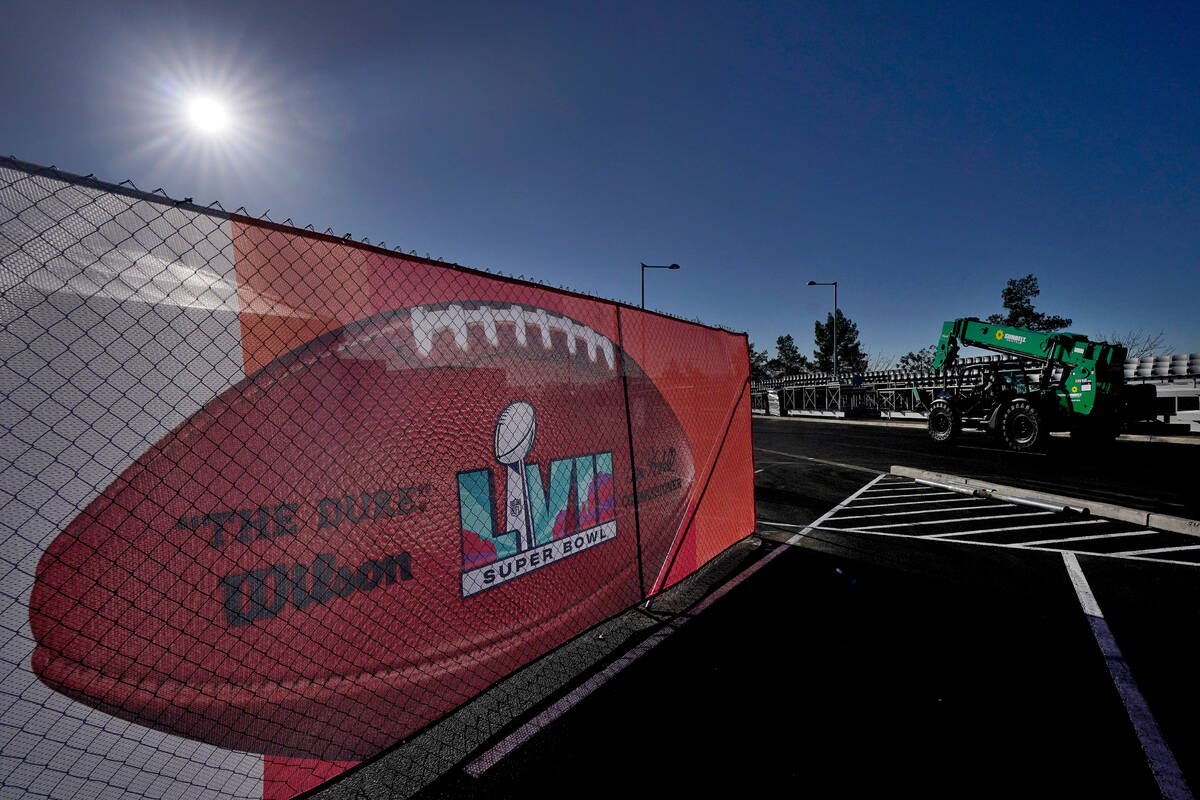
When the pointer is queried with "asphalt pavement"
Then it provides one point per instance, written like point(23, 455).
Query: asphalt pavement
point(1155, 476)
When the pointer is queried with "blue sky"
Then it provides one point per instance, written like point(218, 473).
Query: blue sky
point(921, 154)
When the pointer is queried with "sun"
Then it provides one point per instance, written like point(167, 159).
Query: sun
point(209, 112)
point(208, 115)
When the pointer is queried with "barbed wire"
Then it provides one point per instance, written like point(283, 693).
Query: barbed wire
point(160, 195)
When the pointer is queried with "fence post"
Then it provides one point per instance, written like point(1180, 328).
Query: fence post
point(637, 520)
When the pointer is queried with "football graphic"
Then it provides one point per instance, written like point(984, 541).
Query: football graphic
point(514, 432)
point(324, 558)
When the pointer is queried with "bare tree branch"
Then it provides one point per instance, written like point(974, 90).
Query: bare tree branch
point(879, 361)
point(1139, 342)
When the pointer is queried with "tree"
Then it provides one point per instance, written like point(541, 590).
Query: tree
point(851, 357)
point(1138, 343)
point(758, 364)
point(880, 361)
point(920, 361)
point(788, 359)
point(1017, 299)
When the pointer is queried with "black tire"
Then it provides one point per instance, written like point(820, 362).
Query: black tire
point(1023, 427)
point(944, 423)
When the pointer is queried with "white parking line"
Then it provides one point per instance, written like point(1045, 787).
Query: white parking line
point(908, 496)
point(955, 521)
point(796, 538)
point(1082, 590)
point(1161, 550)
point(1020, 527)
point(1089, 538)
point(1171, 783)
point(906, 513)
point(914, 503)
point(909, 488)
point(916, 537)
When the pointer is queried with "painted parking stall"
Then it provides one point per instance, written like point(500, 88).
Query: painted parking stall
point(895, 508)
point(900, 506)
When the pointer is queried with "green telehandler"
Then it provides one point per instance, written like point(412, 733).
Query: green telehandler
point(1047, 382)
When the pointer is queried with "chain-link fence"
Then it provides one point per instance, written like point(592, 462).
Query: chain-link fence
point(275, 500)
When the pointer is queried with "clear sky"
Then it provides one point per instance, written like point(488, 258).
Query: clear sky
point(919, 153)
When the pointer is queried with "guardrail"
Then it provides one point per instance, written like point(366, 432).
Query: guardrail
point(907, 394)
point(1178, 365)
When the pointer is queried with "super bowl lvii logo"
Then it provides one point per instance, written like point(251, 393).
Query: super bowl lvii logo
point(546, 518)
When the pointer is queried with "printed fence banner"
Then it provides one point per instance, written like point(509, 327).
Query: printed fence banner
point(273, 501)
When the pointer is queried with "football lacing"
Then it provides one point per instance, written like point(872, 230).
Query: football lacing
point(429, 321)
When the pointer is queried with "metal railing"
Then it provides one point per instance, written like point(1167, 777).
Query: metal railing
point(902, 393)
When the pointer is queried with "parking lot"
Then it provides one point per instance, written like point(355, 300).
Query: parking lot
point(1134, 587)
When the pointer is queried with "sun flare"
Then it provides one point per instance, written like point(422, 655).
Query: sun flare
point(208, 115)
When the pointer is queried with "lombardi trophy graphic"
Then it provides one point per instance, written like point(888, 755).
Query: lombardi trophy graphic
point(515, 430)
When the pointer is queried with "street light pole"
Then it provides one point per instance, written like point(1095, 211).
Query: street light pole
point(652, 266)
point(836, 374)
